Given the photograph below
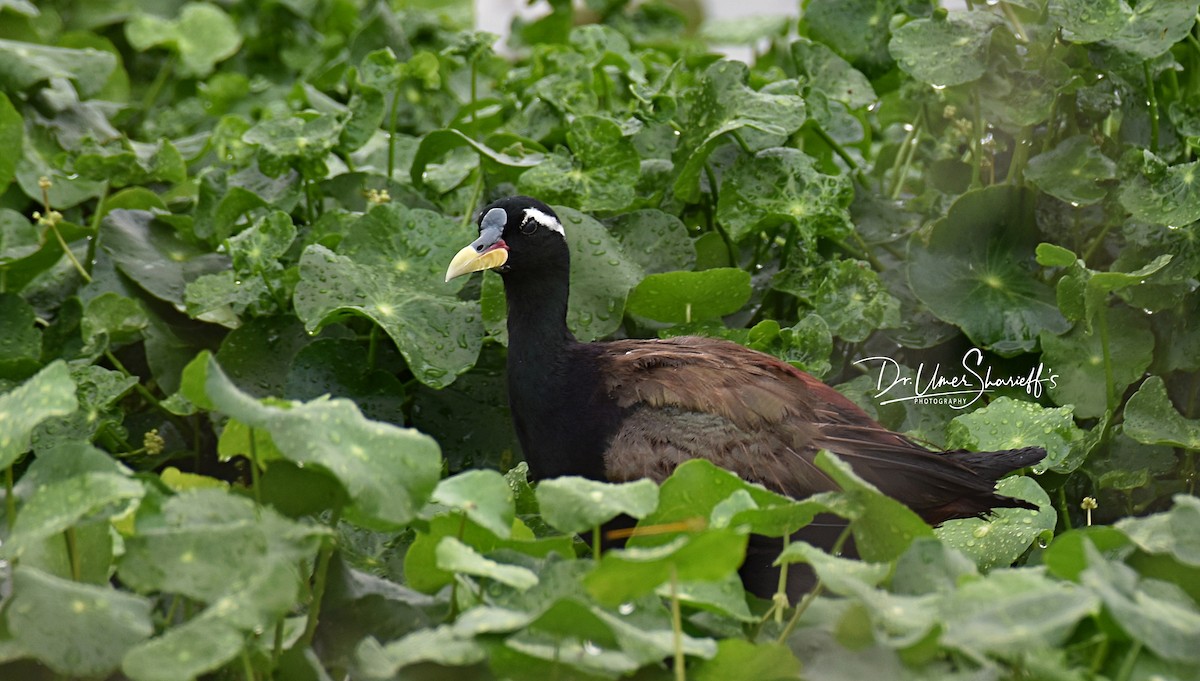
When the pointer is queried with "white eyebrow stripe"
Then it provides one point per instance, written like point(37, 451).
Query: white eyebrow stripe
point(544, 220)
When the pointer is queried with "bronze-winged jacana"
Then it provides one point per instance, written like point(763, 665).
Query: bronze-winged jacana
point(629, 409)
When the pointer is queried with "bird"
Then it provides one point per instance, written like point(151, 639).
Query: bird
point(628, 409)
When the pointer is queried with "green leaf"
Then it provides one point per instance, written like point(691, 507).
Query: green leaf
point(1007, 423)
point(1066, 557)
point(739, 659)
point(835, 573)
point(1163, 194)
point(783, 185)
point(624, 574)
point(858, 30)
point(1089, 21)
point(1001, 537)
point(1072, 171)
point(438, 143)
point(340, 367)
point(886, 527)
point(599, 173)
point(1157, 614)
point(24, 64)
point(12, 133)
point(20, 340)
point(1175, 532)
point(831, 75)
point(444, 645)
point(1150, 418)
point(724, 105)
point(685, 297)
point(257, 248)
point(1078, 359)
point(846, 294)
point(388, 472)
point(110, 315)
point(483, 495)
point(202, 36)
point(656, 241)
point(124, 163)
point(152, 254)
point(61, 502)
point(601, 276)
point(49, 393)
point(209, 543)
point(976, 272)
point(75, 629)
point(945, 51)
point(1153, 27)
point(574, 504)
point(184, 652)
point(455, 556)
point(438, 334)
point(1009, 611)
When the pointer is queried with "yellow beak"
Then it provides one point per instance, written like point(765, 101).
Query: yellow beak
point(467, 261)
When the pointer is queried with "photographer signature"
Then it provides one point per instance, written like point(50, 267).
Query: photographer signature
point(959, 390)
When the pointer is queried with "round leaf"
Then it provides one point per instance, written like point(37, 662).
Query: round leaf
point(685, 297)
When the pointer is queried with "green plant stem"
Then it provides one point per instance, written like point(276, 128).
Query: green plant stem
point(842, 153)
point(1064, 511)
point(903, 161)
point(247, 667)
point(73, 553)
point(391, 156)
point(977, 140)
point(319, 577)
point(141, 389)
point(277, 647)
point(1153, 99)
point(677, 627)
point(595, 542)
point(476, 193)
point(70, 255)
point(1096, 242)
point(1126, 669)
point(1015, 21)
point(781, 599)
point(90, 257)
point(800, 608)
point(372, 345)
point(10, 502)
point(160, 80)
point(254, 482)
point(716, 224)
point(741, 142)
point(1109, 387)
point(1016, 167)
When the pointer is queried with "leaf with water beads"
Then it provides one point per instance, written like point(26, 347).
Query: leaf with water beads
point(1006, 533)
point(50, 392)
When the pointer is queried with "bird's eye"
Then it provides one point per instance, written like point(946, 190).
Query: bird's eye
point(529, 226)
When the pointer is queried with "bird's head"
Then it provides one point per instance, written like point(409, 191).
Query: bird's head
point(516, 234)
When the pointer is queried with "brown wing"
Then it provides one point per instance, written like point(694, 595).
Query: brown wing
point(761, 418)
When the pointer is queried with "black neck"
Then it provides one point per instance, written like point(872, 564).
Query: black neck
point(537, 324)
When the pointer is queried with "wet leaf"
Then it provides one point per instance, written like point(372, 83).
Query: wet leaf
point(483, 495)
point(202, 36)
point(75, 629)
point(656, 241)
point(598, 174)
point(574, 504)
point(1078, 359)
point(1175, 532)
point(436, 144)
point(20, 341)
point(1072, 171)
point(444, 645)
point(1150, 418)
point(438, 334)
point(1007, 423)
point(858, 30)
point(388, 472)
point(736, 658)
point(601, 276)
point(1001, 537)
point(1012, 610)
point(153, 255)
point(48, 393)
point(1088, 21)
point(885, 528)
point(724, 105)
point(684, 297)
point(975, 271)
point(1161, 193)
point(24, 64)
point(1153, 27)
point(831, 75)
point(455, 556)
point(945, 51)
point(783, 185)
point(623, 574)
point(110, 315)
